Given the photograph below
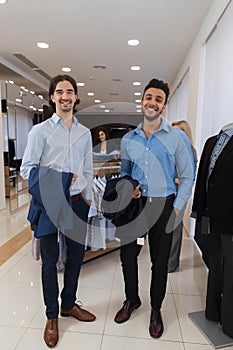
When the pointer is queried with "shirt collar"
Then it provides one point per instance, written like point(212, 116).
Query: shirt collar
point(57, 120)
point(163, 126)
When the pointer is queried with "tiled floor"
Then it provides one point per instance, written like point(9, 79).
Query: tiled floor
point(22, 317)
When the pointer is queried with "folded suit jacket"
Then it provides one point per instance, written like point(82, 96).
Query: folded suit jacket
point(50, 206)
point(126, 213)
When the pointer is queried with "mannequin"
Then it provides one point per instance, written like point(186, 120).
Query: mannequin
point(212, 208)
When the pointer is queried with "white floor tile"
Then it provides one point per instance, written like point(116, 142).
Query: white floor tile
point(12, 223)
point(188, 346)
point(190, 255)
point(7, 266)
point(19, 303)
point(138, 325)
point(189, 280)
point(26, 270)
point(126, 343)
point(10, 336)
point(68, 340)
point(98, 273)
point(93, 300)
point(101, 290)
point(185, 304)
point(25, 250)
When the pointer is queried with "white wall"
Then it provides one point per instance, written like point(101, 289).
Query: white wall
point(192, 62)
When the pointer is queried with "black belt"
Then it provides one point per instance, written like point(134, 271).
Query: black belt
point(76, 197)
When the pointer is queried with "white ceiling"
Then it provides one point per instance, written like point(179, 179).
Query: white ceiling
point(82, 34)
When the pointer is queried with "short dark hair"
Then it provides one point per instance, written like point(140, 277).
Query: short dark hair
point(158, 84)
point(53, 83)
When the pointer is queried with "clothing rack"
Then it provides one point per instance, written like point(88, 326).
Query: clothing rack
point(101, 169)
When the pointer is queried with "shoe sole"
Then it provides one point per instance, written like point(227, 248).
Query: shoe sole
point(79, 319)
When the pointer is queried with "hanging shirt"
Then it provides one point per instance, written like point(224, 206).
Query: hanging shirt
point(223, 138)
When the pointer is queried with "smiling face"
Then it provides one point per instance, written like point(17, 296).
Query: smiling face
point(153, 103)
point(102, 135)
point(64, 97)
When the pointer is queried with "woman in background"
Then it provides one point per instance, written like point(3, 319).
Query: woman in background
point(103, 144)
point(174, 257)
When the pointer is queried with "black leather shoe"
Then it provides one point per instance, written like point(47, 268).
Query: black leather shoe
point(156, 324)
point(125, 312)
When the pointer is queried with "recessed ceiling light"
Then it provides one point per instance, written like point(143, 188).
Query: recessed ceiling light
point(135, 67)
point(139, 110)
point(136, 83)
point(97, 101)
point(18, 100)
point(42, 45)
point(137, 101)
point(137, 93)
point(80, 84)
point(133, 42)
point(106, 110)
point(11, 82)
point(2, 2)
point(66, 69)
point(90, 94)
point(138, 106)
point(41, 97)
point(102, 106)
point(32, 92)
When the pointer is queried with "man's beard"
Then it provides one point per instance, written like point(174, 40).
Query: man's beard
point(152, 118)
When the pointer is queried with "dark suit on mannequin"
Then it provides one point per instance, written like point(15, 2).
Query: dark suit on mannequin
point(212, 208)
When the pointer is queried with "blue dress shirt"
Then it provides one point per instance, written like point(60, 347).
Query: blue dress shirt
point(155, 162)
point(51, 144)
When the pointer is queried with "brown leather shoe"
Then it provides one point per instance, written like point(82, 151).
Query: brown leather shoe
point(125, 312)
point(78, 313)
point(51, 332)
point(156, 324)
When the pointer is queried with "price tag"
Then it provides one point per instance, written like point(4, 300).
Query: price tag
point(140, 241)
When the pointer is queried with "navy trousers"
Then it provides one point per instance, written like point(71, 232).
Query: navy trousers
point(49, 247)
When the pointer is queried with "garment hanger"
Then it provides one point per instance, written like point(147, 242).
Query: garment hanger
point(227, 126)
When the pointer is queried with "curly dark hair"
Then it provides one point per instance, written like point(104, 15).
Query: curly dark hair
point(158, 84)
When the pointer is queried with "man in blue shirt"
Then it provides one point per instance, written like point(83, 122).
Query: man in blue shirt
point(152, 154)
point(61, 143)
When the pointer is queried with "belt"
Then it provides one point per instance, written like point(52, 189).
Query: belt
point(76, 197)
point(153, 199)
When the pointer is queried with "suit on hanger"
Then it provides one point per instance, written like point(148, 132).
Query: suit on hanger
point(212, 208)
